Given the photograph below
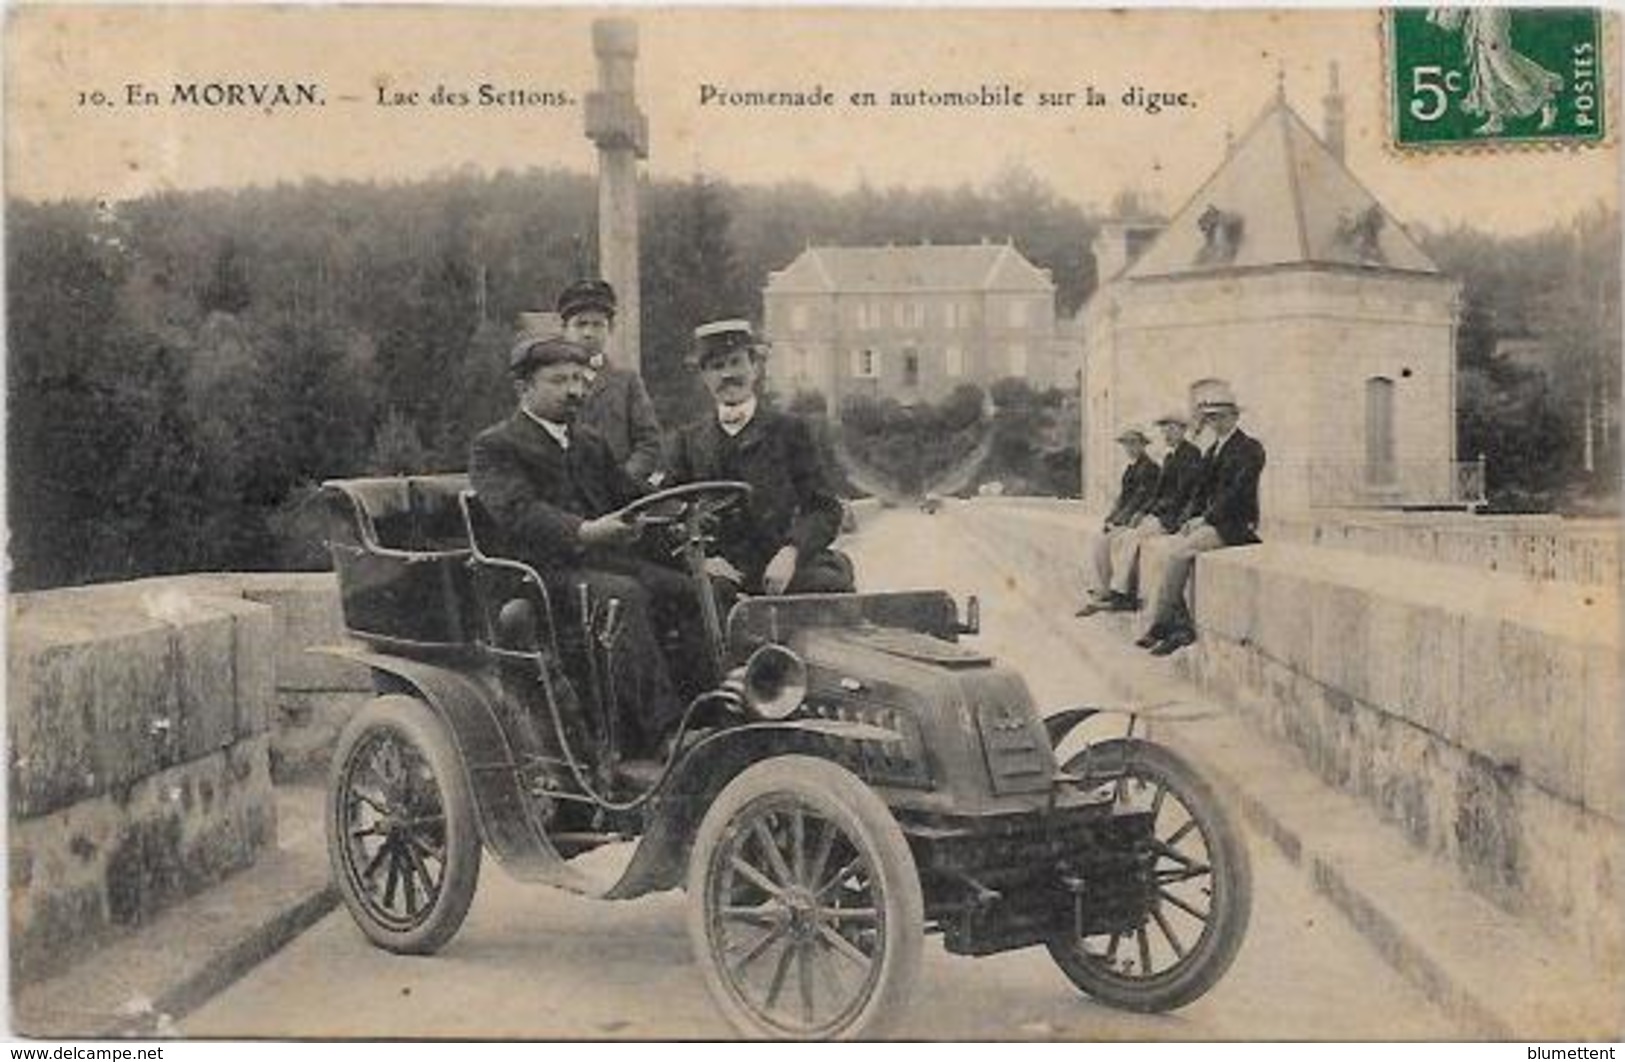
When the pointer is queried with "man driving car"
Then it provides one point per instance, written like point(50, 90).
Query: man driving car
point(553, 488)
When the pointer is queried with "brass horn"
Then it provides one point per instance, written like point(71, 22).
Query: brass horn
point(775, 682)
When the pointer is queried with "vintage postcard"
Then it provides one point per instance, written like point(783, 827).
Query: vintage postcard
point(694, 523)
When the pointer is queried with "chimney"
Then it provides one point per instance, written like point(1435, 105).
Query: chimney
point(1335, 126)
point(1110, 249)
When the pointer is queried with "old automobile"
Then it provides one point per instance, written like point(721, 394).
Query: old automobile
point(860, 775)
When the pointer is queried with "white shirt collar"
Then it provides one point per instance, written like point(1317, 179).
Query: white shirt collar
point(1218, 443)
point(733, 419)
point(560, 432)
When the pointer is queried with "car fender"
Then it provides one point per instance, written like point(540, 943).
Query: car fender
point(488, 762)
point(1060, 724)
point(706, 767)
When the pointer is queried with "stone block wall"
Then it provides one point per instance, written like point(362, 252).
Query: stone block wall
point(1479, 712)
point(147, 723)
point(315, 693)
point(137, 722)
point(1479, 715)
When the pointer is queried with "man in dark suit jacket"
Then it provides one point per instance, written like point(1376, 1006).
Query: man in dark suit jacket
point(553, 489)
point(1223, 511)
point(1135, 495)
point(778, 542)
point(1177, 481)
point(1181, 477)
point(617, 404)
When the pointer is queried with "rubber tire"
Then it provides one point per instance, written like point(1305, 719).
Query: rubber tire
point(418, 724)
point(866, 820)
point(1232, 884)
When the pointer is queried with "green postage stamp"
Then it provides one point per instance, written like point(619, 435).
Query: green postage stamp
point(1495, 75)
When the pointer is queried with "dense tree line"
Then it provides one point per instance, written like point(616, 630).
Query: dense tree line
point(185, 368)
point(1538, 353)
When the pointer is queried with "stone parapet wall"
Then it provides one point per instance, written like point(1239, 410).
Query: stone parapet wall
point(138, 718)
point(1480, 715)
point(1545, 548)
point(315, 693)
point(81, 874)
point(144, 723)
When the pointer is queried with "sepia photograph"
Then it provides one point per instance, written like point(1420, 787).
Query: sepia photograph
point(701, 523)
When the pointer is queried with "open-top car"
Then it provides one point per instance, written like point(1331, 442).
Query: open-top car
point(857, 778)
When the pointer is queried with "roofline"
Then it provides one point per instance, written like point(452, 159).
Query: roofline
point(1387, 214)
point(993, 267)
point(823, 270)
point(1293, 183)
point(1279, 103)
point(1045, 286)
point(1308, 266)
point(1263, 116)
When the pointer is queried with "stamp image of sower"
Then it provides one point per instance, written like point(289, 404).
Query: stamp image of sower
point(1463, 76)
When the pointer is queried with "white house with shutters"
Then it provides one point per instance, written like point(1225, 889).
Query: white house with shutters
point(912, 322)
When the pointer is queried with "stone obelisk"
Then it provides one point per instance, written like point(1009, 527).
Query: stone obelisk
point(621, 132)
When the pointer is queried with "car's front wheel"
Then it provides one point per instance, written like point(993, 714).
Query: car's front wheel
point(1198, 874)
point(804, 904)
point(400, 826)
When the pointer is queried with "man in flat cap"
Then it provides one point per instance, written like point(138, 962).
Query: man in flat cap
point(617, 406)
point(552, 486)
point(778, 542)
point(1222, 511)
point(1134, 497)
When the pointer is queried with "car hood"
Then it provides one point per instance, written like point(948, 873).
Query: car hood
point(974, 718)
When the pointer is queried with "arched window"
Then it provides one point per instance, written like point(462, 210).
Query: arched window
point(1379, 430)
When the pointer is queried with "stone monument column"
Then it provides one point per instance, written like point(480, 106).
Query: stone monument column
point(621, 132)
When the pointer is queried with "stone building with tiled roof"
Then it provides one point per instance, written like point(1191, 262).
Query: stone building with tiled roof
point(911, 323)
point(1284, 276)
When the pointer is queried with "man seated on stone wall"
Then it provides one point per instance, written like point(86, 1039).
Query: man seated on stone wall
point(779, 540)
point(1224, 513)
point(1177, 481)
point(1134, 497)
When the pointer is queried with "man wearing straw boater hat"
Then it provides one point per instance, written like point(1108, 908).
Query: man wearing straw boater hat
point(1223, 512)
point(778, 542)
point(1134, 497)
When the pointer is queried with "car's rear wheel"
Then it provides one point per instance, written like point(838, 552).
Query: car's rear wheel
point(1201, 881)
point(804, 904)
point(400, 826)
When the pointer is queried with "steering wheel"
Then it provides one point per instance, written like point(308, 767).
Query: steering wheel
point(689, 504)
point(689, 508)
